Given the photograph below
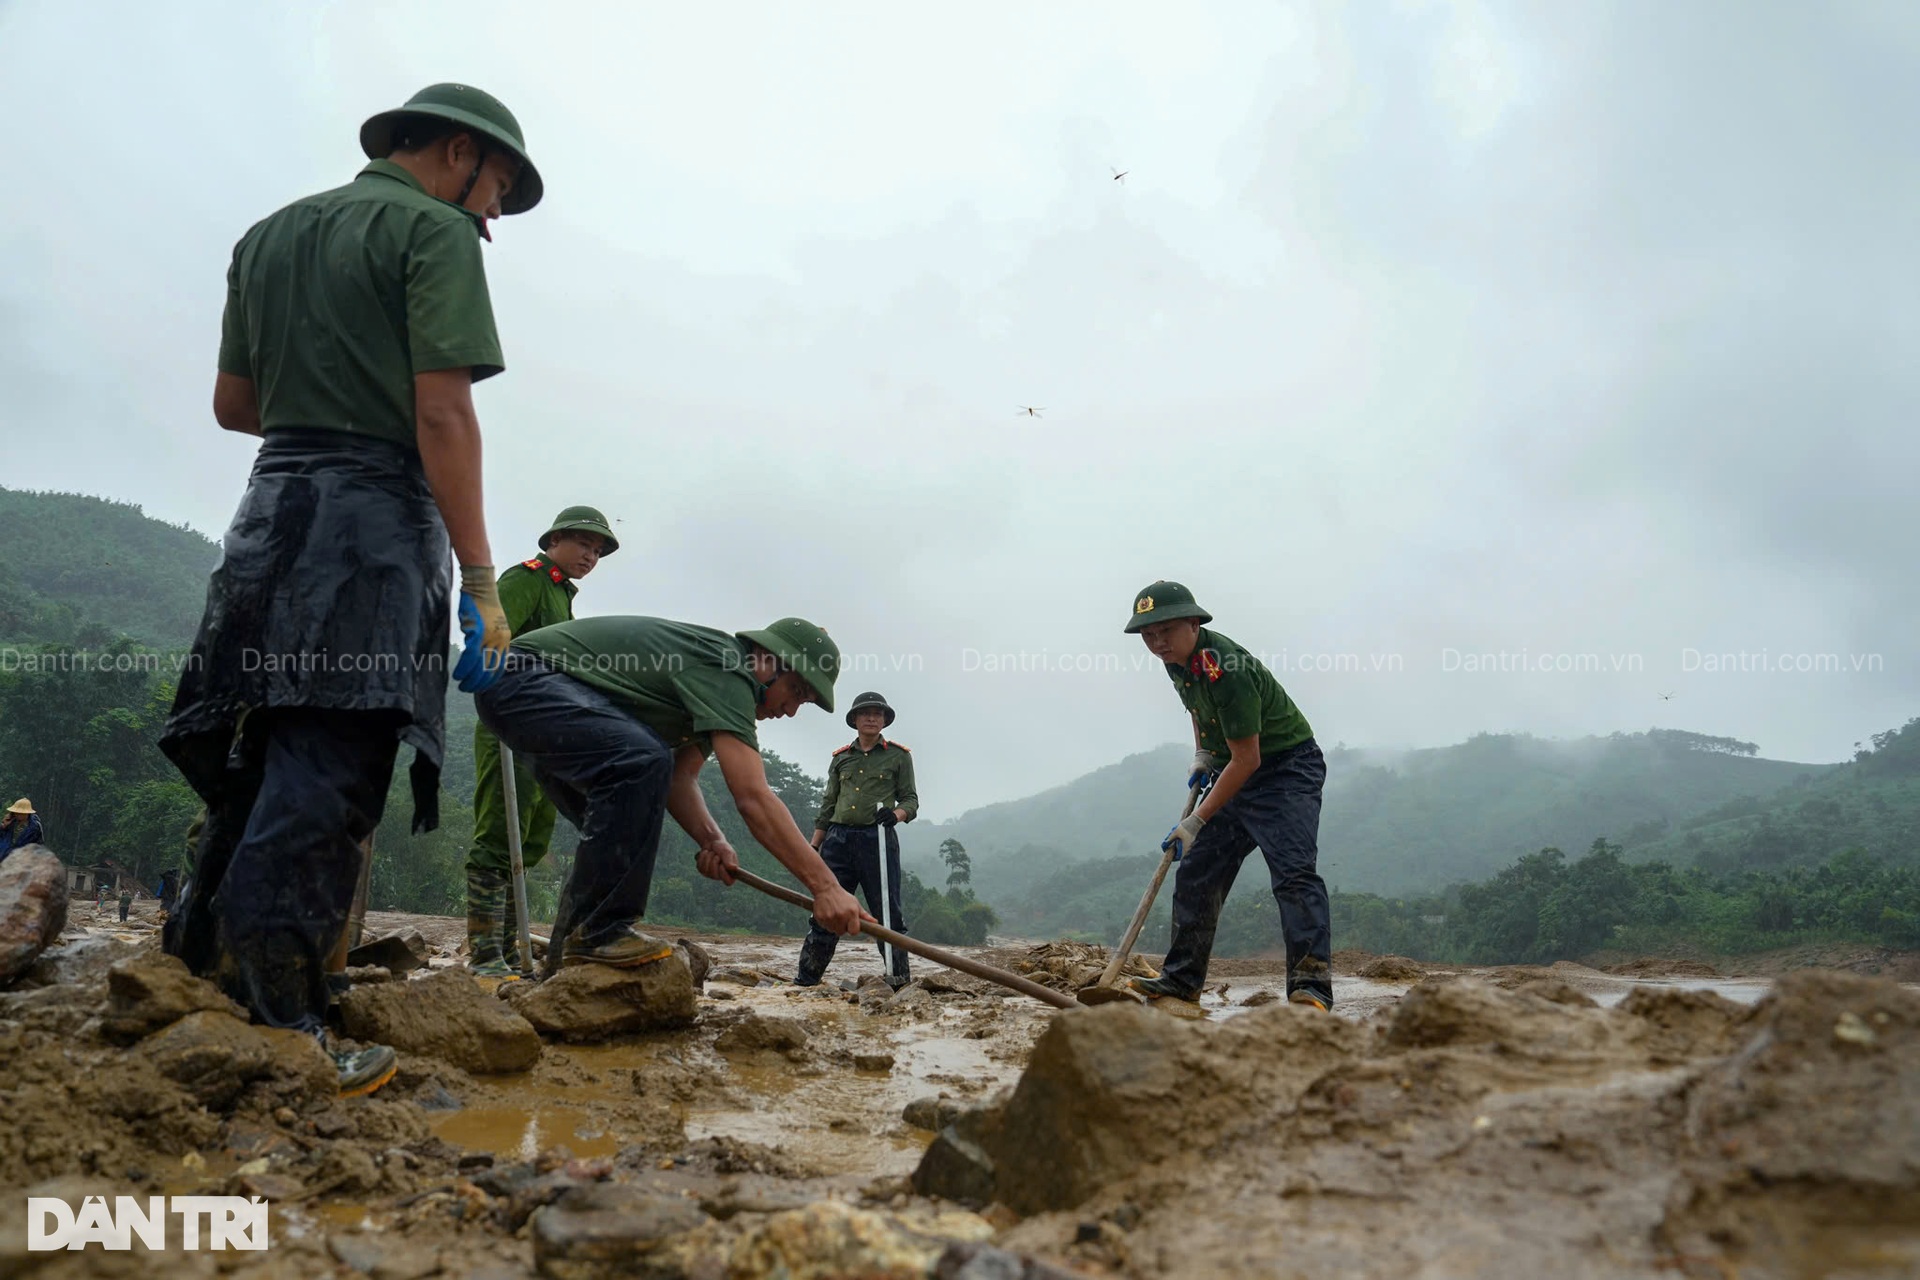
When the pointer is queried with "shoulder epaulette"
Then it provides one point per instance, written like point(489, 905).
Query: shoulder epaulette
point(839, 750)
point(530, 564)
point(903, 746)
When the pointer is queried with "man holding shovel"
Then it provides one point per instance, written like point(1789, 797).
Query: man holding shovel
point(869, 789)
point(534, 593)
point(1267, 795)
point(616, 716)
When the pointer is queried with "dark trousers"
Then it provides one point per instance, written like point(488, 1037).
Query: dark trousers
point(853, 855)
point(279, 857)
point(1278, 810)
point(605, 771)
point(126, 904)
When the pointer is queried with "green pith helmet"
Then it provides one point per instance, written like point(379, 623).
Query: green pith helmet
point(583, 520)
point(1163, 601)
point(865, 701)
point(804, 648)
point(470, 108)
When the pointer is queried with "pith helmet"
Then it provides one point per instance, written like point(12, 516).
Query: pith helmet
point(804, 648)
point(470, 108)
point(21, 806)
point(582, 520)
point(865, 701)
point(1163, 601)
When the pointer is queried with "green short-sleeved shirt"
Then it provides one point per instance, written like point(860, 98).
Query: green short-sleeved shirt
point(535, 594)
point(335, 302)
point(682, 681)
point(860, 781)
point(1232, 695)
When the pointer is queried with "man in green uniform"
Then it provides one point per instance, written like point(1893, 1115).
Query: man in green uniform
point(1266, 795)
point(534, 593)
point(616, 717)
point(357, 321)
point(869, 789)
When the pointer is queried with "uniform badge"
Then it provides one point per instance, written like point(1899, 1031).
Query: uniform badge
point(1143, 605)
point(556, 575)
point(1206, 663)
point(530, 564)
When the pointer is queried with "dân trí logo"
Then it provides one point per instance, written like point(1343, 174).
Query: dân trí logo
point(206, 1222)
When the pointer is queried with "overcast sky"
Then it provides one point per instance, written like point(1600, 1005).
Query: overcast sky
point(1416, 332)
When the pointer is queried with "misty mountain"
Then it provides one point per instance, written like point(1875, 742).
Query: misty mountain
point(1403, 822)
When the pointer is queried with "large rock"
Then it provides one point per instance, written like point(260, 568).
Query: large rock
point(397, 953)
point(153, 990)
point(1117, 1086)
point(33, 907)
point(589, 1002)
point(216, 1058)
point(611, 1230)
point(445, 1016)
point(763, 1031)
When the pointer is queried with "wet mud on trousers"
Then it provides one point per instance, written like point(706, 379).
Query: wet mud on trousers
point(333, 591)
point(853, 855)
point(605, 771)
point(279, 858)
point(1278, 812)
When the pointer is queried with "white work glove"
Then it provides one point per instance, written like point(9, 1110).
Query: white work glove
point(1201, 770)
point(1181, 838)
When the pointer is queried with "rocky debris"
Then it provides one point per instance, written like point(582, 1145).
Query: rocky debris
point(82, 960)
point(397, 953)
point(758, 1031)
point(1113, 1087)
point(1682, 1025)
point(1392, 969)
point(699, 960)
point(446, 1016)
point(1069, 966)
point(913, 1001)
point(932, 1114)
point(613, 1230)
point(152, 990)
point(33, 907)
point(1468, 1011)
point(1559, 991)
point(737, 975)
point(1655, 967)
point(829, 1240)
point(1804, 1144)
point(1258, 998)
point(873, 1060)
point(367, 974)
point(592, 1002)
point(216, 1057)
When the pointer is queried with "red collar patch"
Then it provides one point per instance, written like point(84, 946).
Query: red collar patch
point(1206, 663)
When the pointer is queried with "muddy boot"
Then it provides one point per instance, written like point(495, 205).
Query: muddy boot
point(510, 933)
point(1305, 997)
point(1163, 987)
point(623, 950)
point(486, 910)
point(815, 954)
point(362, 1071)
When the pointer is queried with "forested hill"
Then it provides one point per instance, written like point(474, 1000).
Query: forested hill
point(1393, 822)
point(81, 570)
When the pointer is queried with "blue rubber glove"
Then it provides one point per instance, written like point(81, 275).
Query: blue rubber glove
point(484, 624)
point(1181, 838)
point(1201, 770)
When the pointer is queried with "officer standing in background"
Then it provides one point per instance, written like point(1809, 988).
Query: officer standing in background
point(534, 593)
point(869, 789)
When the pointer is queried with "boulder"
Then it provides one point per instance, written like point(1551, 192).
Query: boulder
point(33, 907)
point(446, 1016)
point(932, 1114)
point(397, 953)
point(588, 1002)
point(216, 1058)
point(699, 960)
point(611, 1230)
point(153, 990)
point(763, 1031)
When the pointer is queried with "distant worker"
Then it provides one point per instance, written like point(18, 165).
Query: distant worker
point(1267, 794)
point(616, 716)
point(869, 789)
point(534, 593)
point(20, 826)
point(126, 904)
point(357, 321)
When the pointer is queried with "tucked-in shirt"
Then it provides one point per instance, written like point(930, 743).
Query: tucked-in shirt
point(860, 781)
point(535, 594)
point(1232, 695)
point(335, 302)
point(683, 681)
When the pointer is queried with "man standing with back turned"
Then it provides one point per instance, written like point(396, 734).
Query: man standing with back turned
point(357, 322)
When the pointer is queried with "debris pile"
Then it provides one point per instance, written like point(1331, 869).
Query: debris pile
point(1069, 966)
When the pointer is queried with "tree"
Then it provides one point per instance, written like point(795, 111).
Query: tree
point(960, 866)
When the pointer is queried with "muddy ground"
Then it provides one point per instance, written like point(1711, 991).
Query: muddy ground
point(1664, 1119)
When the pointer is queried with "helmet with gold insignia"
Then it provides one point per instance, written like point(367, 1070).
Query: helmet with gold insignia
point(804, 648)
point(1163, 601)
point(865, 702)
point(580, 520)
